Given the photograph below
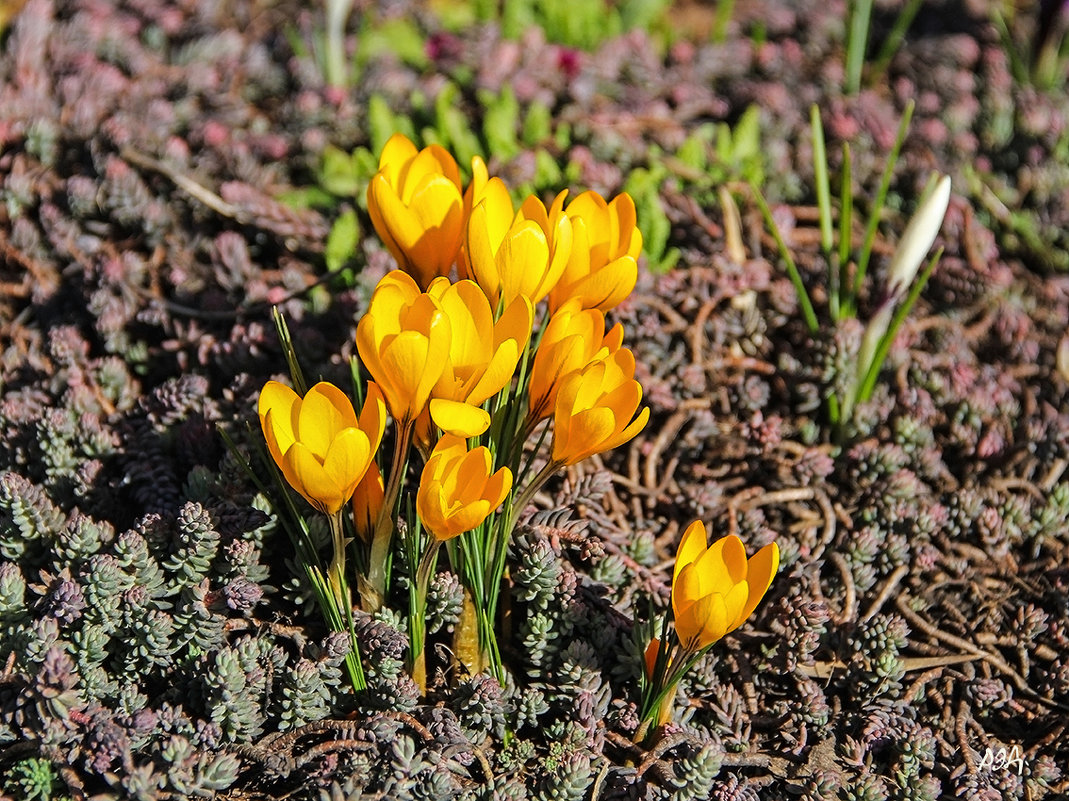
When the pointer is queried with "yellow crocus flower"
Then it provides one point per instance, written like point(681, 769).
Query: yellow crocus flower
point(573, 338)
point(511, 254)
point(594, 409)
point(367, 502)
point(457, 491)
point(602, 268)
point(319, 444)
point(416, 207)
point(714, 587)
point(403, 340)
point(482, 357)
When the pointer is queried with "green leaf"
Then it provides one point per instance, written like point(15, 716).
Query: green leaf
point(500, 121)
point(537, 124)
point(337, 173)
point(398, 36)
point(342, 241)
point(382, 123)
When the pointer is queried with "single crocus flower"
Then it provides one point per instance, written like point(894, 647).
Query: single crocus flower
point(594, 409)
point(603, 264)
point(482, 357)
point(319, 444)
point(416, 206)
point(715, 587)
point(516, 254)
point(367, 502)
point(403, 340)
point(457, 491)
point(573, 338)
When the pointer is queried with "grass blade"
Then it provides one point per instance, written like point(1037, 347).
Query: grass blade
point(881, 200)
point(792, 268)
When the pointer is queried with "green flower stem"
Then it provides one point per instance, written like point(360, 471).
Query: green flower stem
point(524, 498)
point(373, 586)
point(339, 601)
point(417, 613)
point(673, 662)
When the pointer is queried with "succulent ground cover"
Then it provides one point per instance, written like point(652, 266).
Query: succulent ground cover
point(169, 172)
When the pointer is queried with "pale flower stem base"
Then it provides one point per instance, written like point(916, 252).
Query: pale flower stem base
point(466, 640)
point(373, 586)
point(417, 622)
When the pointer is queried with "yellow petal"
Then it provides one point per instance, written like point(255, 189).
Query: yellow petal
point(430, 505)
point(716, 623)
point(586, 433)
point(686, 588)
point(277, 453)
point(607, 287)
point(396, 154)
point(372, 419)
point(458, 418)
point(278, 408)
point(312, 481)
point(470, 319)
point(760, 570)
point(631, 431)
point(496, 374)
point(379, 194)
point(692, 546)
point(402, 226)
point(498, 487)
point(690, 620)
point(614, 339)
point(465, 518)
point(622, 210)
point(469, 475)
point(722, 566)
point(561, 251)
point(325, 411)
point(479, 178)
point(515, 323)
point(347, 460)
point(480, 250)
point(406, 359)
point(734, 604)
point(522, 261)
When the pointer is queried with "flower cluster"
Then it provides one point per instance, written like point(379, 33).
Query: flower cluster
point(491, 335)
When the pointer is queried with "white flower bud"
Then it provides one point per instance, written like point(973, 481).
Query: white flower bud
point(918, 237)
